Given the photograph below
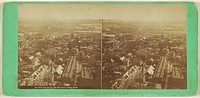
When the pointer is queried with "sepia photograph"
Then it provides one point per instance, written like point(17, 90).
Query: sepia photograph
point(144, 47)
point(58, 47)
point(102, 46)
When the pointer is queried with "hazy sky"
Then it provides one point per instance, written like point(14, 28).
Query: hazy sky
point(103, 11)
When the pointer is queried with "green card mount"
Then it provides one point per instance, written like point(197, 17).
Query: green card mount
point(10, 55)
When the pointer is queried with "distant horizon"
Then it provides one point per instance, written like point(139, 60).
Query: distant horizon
point(107, 20)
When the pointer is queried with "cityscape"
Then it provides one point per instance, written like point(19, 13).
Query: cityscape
point(61, 59)
point(100, 53)
point(150, 60)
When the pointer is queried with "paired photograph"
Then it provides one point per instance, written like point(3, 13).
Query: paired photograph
point(102, 46)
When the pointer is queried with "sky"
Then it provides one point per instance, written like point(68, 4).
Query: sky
point(152, 12)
